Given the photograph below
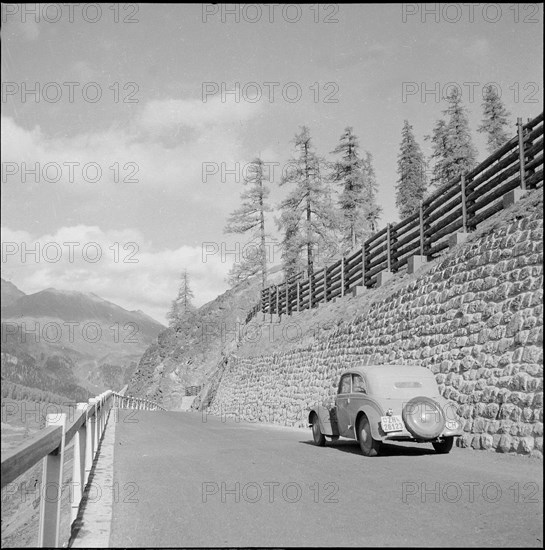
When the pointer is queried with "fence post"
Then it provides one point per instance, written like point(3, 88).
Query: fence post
point(421, 224)
point(287, 302)
point(78, 468)
point(342, 276)
point(310, 290)
point(388, 248)
point(277, 301)
point(521, 154)
point(325, 284)
point(52, 476)
point(363, 265)
point(464, 204)
point(393, 246)
point(298, 296)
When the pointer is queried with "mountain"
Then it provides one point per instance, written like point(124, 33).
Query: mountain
point(10, 293)
point(73, 339)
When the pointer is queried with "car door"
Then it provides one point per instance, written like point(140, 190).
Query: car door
point(358, 397)
point(343, 404)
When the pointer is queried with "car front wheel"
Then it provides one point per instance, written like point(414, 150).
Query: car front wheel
point(444, 446)
point(368, 445)
point(318, 436)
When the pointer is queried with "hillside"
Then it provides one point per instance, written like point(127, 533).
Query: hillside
point(71, 342)
point(9, 293)
point(188, 354)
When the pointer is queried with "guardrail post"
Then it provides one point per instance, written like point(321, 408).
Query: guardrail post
point(101, 416)
point(78, 468)
point(520, 131)
point(52, 476)
point(91, 440)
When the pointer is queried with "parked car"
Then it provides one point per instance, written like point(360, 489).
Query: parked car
point(387, 403)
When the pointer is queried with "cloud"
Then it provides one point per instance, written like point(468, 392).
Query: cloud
point(164, 115)
point(140, 155)
point(119, 265)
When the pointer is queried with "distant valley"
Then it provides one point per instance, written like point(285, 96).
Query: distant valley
point(73, 343)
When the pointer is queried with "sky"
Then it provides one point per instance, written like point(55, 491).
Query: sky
point(126, 129)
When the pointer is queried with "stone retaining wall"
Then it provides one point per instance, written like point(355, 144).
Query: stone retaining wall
point(474, 319)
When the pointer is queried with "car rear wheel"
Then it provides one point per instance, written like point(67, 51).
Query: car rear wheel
point(318, 436)
point(368, 445)
point(444, 446)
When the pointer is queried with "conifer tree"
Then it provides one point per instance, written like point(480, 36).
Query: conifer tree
point(249, 220)
point(453, 148)
point(348, 172)
point(306, 219)
point(183, 304)
point(495, 120)
point(373, 210)
point(411, 185)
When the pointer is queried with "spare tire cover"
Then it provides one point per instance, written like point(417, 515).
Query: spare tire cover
point(423, 417)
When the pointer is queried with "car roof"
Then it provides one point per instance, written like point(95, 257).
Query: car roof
point(393, 371)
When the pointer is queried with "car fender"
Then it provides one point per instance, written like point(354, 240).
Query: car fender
point(327, 417)
point(373, 413)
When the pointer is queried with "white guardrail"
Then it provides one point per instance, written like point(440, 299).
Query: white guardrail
point(49, 445)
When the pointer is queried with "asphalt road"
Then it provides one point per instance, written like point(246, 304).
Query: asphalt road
point(185, 482)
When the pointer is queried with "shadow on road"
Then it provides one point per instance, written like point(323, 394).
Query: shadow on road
point(387, 449)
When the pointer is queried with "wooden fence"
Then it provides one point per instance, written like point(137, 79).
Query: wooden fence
point(49, 445)
point(460, 205)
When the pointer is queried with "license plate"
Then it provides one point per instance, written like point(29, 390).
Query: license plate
point(392, 423)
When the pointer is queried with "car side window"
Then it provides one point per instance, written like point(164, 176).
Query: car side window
point(358, 384)
point(344, 386)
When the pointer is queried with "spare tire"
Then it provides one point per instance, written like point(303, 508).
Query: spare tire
point(423, 418)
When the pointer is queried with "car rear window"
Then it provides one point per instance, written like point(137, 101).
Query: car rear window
point(408, 384)
point(404, 388)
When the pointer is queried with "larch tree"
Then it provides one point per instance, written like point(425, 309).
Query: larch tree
point(306, 219)
point(183, 304)
point(249, 220)
point(495, 122)
point(411, 185)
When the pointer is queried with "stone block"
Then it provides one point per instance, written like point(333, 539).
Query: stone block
point(512, 197)
point(383, 276)
point(359, 290)
point(414, 263)
point(456, 239)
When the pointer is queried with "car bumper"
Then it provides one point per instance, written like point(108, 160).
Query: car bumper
point(405, 435)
